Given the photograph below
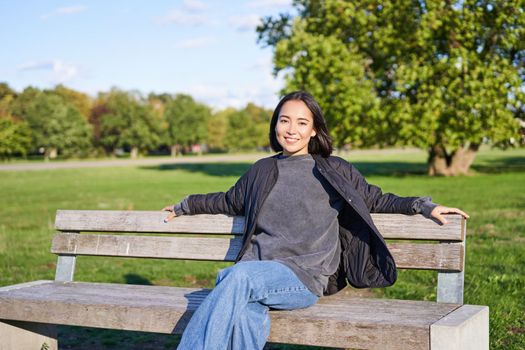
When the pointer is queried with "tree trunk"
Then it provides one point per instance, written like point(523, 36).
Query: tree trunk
point(50, 153)
point(456, 163)
point(175, 150)
point(134, 152)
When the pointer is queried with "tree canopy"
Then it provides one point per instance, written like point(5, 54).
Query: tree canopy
point(445, 76)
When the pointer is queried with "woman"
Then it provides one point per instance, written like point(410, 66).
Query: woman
point(308, 231)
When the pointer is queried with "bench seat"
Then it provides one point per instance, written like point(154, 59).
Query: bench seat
point(336, 321)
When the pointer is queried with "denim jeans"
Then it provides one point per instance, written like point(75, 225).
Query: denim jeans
point(235, 313)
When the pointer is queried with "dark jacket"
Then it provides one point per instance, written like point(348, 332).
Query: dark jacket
point(365, 259)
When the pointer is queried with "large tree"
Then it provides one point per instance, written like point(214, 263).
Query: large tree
point(445, 76)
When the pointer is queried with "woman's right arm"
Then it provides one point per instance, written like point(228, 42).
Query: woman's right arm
point(230, 202)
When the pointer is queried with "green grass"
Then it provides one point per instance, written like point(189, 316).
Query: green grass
point(494, 196)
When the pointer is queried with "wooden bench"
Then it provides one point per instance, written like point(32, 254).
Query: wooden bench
point(30, 311)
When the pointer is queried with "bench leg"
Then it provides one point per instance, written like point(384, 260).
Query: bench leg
point(466, 328)
point(16, 335)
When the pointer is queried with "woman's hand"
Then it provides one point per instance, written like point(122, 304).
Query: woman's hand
point(171, 215)
point(439, 210)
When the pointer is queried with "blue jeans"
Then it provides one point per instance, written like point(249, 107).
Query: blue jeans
point(235, 313)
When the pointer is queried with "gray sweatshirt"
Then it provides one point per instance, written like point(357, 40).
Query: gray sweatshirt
point(298, 224)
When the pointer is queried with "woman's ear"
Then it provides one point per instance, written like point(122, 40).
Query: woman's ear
point(313, 133)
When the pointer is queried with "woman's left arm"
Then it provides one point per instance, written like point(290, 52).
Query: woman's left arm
point(380, 202)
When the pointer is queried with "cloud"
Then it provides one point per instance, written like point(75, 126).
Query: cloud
point(245, 23)
point(61, 11)
point(268, 3)
point(195, 42)
point(194, 5)
point(60, 72)
point(182, 17)
point(264, 64)
point(219, 97)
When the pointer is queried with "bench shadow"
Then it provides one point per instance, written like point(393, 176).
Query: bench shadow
point(194, 299)
point(132, 278)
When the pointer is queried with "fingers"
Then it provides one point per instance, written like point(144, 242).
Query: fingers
point(455, 211)
point(438, 212)
point(169, 217)
point(441, 218)
point(171, 214)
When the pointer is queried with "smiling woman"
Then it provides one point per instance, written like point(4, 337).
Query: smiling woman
point(308, 231)
point(295, 128)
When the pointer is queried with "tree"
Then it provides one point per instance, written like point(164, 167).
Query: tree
point(187, 122)
point(260, 117)
point(56, 126)
point(127, 122)
point(79, 100)
point(440, 75)
point(15, 135)
point(217, 127)
point(242, 133)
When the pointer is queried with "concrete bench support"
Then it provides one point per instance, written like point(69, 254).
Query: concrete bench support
point(27, 336)
point(466, 328)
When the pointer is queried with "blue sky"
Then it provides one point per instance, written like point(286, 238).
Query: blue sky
point(204, 48)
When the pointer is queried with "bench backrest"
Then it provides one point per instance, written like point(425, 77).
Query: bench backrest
point(418, 243)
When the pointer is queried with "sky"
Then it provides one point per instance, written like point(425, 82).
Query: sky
point(207, 49)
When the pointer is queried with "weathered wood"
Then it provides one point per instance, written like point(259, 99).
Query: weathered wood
point(407, 255)
point(16, 335)
point(197, 248)
point(335, 321)
point(466, 328)
point(145, 221)
point(392, 226)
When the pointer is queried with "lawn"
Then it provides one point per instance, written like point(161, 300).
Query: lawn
point(494, 196)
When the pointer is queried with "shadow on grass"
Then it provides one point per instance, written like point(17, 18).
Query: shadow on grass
point(501, 165)
point(238, 169)
point(367, 168)
point(132, 278)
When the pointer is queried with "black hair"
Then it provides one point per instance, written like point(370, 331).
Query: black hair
point(321, 143)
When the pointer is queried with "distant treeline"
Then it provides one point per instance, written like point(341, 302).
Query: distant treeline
point(69, 123)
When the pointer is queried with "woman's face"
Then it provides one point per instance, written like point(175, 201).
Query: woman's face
point(295, 127)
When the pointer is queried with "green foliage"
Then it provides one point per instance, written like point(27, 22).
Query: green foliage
point(419, 73)
point(15, 137)
point(15, 134)
point(247, 128)
point(187, 121)
point(494, 274)
point(129, 123)
point(56, 125)
point(217, 126)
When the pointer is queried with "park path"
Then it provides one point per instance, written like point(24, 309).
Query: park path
point(73, 164)
point(152, 161)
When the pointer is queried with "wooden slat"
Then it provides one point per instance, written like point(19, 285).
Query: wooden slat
point(407, 255)
point(145, 221)
point(197, 248)
point(398, 226)
point(391, 226)
point(335, 321)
